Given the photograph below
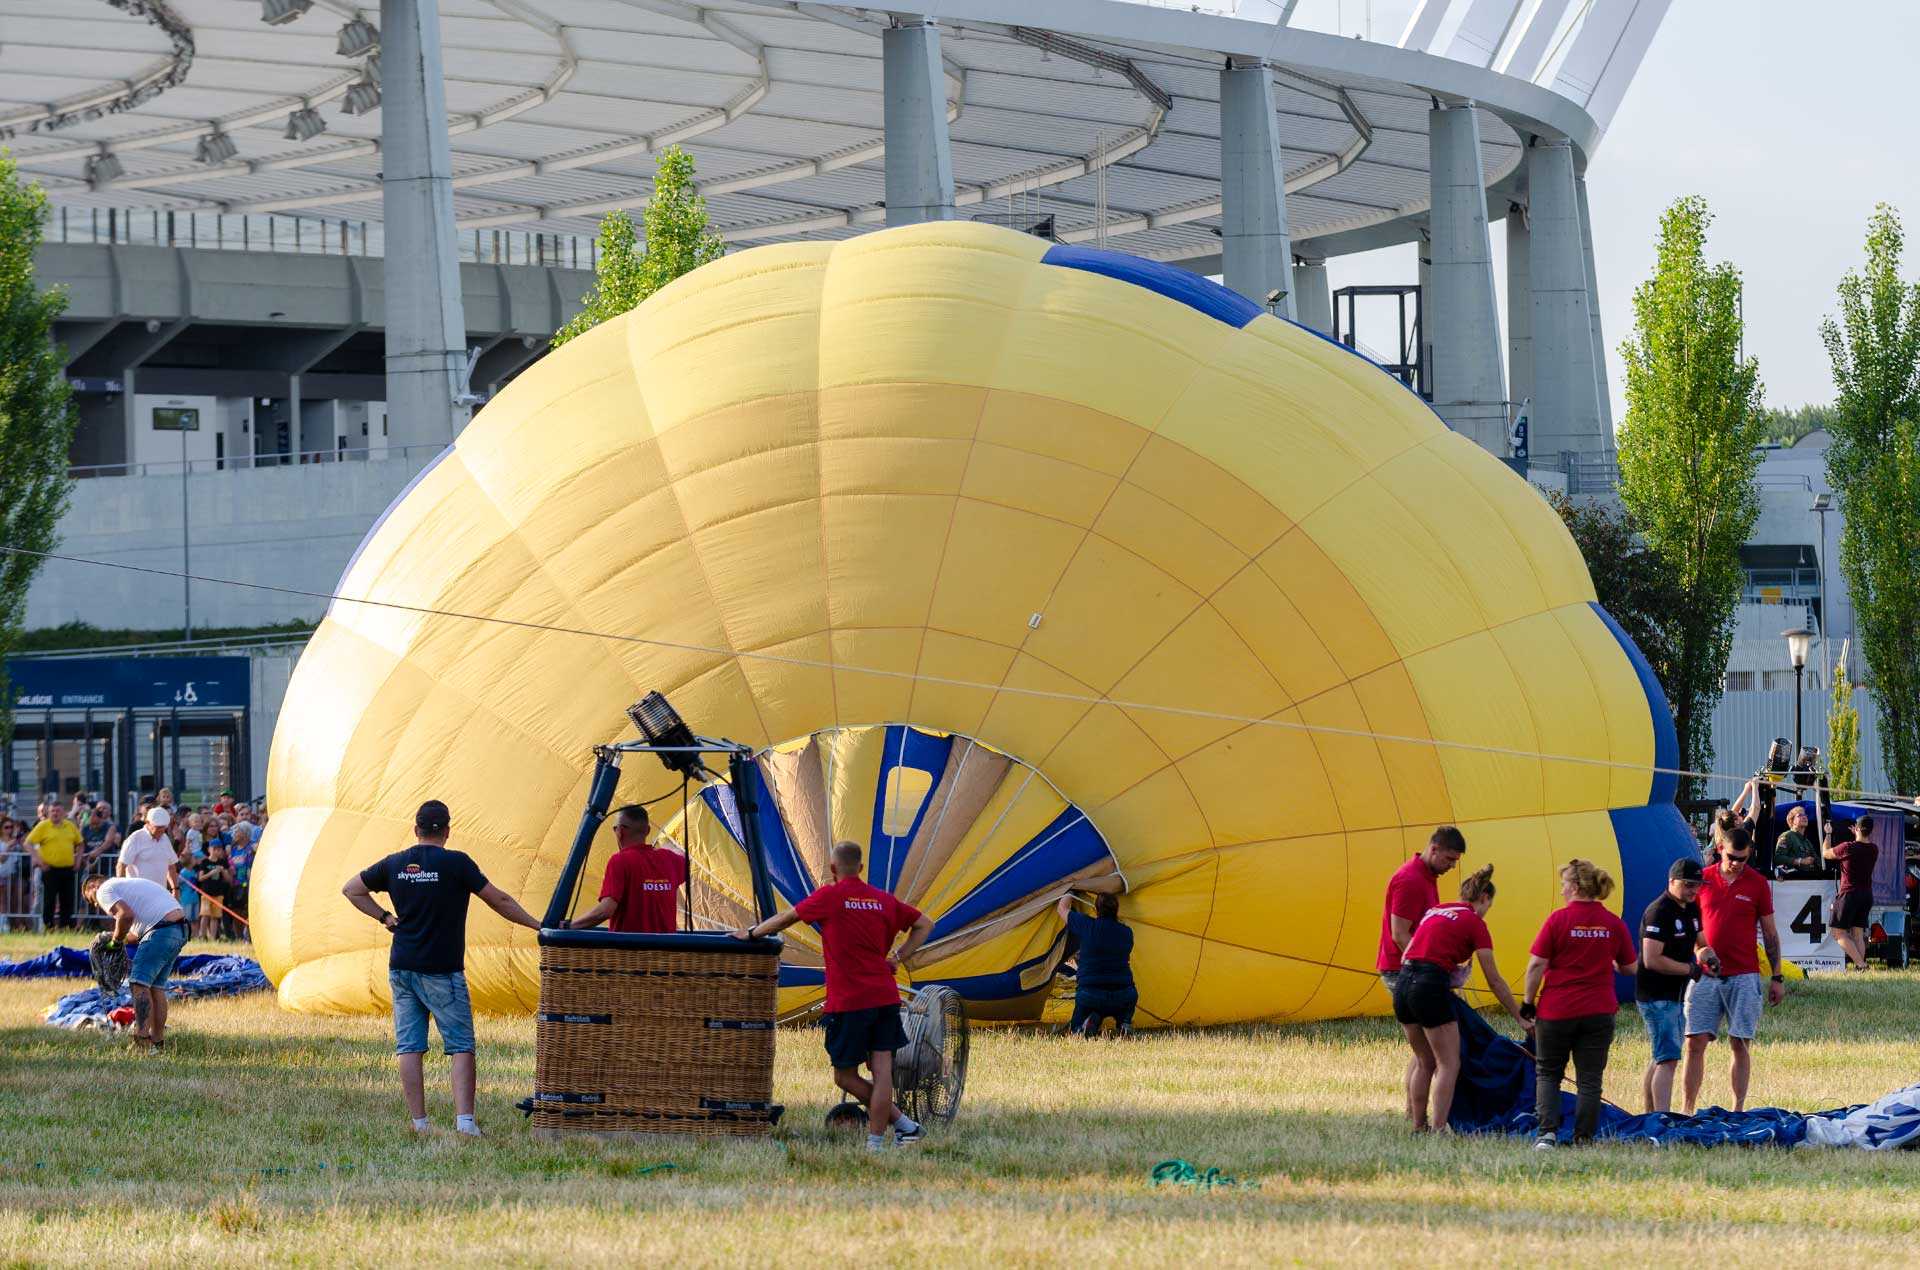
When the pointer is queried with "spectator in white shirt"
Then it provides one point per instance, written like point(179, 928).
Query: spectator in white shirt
point(149, 921)
point(148, 853)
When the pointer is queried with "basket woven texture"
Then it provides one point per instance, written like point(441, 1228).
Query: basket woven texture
point(642, 1040)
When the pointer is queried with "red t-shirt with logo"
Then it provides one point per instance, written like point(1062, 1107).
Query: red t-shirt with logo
point(1730, 913)
point(1448, 935)
point(857, 924)
point(643, 883)
point(1582, 943)
point(1411, 891)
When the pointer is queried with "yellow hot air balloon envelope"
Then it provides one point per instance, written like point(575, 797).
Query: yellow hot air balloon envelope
point(1021, 565)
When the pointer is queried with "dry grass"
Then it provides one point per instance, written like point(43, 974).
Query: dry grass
point(273, 1138)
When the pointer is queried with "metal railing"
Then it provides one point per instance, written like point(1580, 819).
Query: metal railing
point(235, 463)
point(23, 898)
point(303, 235)
point(246, 644)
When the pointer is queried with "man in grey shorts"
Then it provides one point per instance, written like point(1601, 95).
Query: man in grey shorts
point(1735, 904)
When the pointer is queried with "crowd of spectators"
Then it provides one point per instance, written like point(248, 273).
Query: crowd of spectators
point(205, 852)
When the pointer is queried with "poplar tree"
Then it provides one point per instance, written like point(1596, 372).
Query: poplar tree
point(1688, 457)
point(1873, 463)
point(677, 240)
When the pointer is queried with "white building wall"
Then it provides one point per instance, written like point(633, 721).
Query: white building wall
point(157, 445)
point(1745, 723)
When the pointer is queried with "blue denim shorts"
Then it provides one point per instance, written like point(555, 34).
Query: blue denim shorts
point(154, 955)
point(415, 996)
point(1664, 1020)
point(1735, 999)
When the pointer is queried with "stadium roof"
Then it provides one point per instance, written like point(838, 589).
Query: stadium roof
point(1108, 121)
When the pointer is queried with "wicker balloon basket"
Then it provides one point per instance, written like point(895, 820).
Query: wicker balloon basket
point(655, 1034)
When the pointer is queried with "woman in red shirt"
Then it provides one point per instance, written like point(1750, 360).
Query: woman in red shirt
point(1576, 954)
point(1444, 941)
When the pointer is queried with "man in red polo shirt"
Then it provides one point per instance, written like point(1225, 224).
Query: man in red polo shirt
point(642, 884)
point(1411, 891)
point(1734, 901)
point(857, 924)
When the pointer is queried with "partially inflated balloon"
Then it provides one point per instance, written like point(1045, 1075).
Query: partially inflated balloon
point(1022, 565)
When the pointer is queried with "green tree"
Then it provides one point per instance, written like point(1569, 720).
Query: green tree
point(1640, 589)
point(1843, 731)
point(1874, 464)
point(678, 241)
point(1687, 457)
point(1785, 427)
point(36, 411)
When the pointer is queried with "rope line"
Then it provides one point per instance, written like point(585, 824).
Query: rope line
point(805, 663)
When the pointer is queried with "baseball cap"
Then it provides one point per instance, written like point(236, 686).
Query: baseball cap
point(1684, 870)
point(158, 817)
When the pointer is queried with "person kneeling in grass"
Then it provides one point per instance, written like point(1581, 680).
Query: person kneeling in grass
point(857, 924)
point(148, 920)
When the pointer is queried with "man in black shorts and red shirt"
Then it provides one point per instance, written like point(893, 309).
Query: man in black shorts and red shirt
point(1853, 905)
point(857, 923)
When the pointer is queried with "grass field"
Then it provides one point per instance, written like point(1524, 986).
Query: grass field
point(274, 1138)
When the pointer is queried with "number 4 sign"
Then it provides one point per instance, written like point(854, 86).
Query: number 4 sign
point(1800, 911)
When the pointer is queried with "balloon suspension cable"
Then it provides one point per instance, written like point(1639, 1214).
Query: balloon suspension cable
point(910, 676)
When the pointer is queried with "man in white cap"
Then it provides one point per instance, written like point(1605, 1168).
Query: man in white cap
point(148, 853)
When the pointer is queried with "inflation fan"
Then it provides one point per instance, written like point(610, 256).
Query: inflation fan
point(930, 1072)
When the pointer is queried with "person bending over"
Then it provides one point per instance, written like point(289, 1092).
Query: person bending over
point(1853, 905)
point(1411, 891)
point(149, 920)
point(426, 968)
point(642, 882)
point(1575, 955)
point(1669, 936)
point(1445, 941)
point(857, 925)
point(1734, 901)
point(1103, 988)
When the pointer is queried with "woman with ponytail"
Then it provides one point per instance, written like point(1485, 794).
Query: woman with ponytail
point(1446, 939)
point(1574, 957)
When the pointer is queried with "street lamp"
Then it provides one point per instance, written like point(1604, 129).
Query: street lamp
point(1822, 504)
point(1798, 640)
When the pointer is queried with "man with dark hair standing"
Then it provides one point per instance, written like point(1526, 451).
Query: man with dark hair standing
point(857, 924)
point(1411, 891)
point(1735, 902)
point(1669, 934)
point(642, 882)
point(1853, 905)
point(426, 969)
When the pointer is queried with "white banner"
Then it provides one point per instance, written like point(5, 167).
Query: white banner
point(1801, 910)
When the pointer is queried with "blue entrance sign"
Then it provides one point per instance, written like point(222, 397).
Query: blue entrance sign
point(131, 683)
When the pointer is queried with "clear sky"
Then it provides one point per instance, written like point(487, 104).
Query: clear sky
point(1792, 119)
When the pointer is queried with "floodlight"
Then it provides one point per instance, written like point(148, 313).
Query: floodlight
point(215, 147)
point(358, 38)
point(1822, 502)
point(361, 98)
point(102, 168)
point(281, 12)
point(661, 724)
point(305, 124)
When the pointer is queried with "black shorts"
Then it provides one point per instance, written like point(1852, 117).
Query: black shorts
point(854, 1036)
point(1852, 910)
point(1424, 995)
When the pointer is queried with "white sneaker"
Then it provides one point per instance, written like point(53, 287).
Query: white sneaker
point(473, 1132)
point(1545, 1144)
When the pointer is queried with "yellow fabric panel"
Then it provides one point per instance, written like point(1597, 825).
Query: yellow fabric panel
point(1010, 947)
point(1471, 699)
point(1183, 900)
point(1104, 754)
point(901, 410)
point(790, 698)
point(1279, 635)
point(1320, 593)
point(1209, 493)
point(311, 761)
point(1557, 566)
point(1492, 566)
point(276, 880)
point(1225, 776)
point(1526, 873)
point(1567, 713)
point(1079, 626)
point(1028, 726)
point(1371, 858)
point(1074, 433)
point(1296, 920)
point(1230, 982)
point(1204, 665)
point(1414, 774)
point(1154, 819)
point(950, 660)
point(436, 525)
point(1020, 808)
point(1000, 566)
point(1624, 705)
point(744, 459)
point(771, 561)
point(853, 761)
point(1363, 791)
point(1164, 962)
point(1033, 483)
point(874, 698)
point(1170, 539)
point(882, 555)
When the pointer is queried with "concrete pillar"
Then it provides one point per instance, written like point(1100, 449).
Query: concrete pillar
point(130, 416)
point(1593, 312)
point(919, 155)
point(1469, 391)
point(426, 326)
point(1256, 252)
point(1566, 407)
point(1519, 307)
point(1313, 296)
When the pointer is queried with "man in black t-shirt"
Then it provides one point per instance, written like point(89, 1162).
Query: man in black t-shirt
point(426, 969)
point(1669, 934)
